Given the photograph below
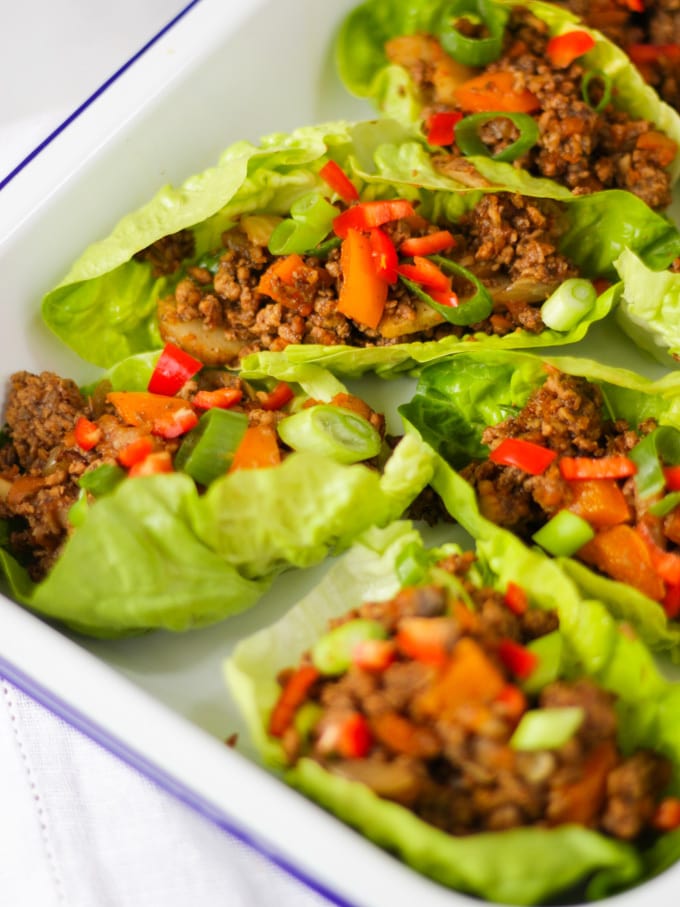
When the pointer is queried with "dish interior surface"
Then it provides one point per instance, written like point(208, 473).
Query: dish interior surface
point(218, 77)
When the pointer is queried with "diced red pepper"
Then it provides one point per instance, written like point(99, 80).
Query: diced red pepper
point(616, 466)
point(278, 397)
point(652, 53)
point(513, 700)
point(425, 639)
point(667, 814)
point(135, 452)
point(430, 244)
point(87, 433)
point(221, 398)
point(426, 273)
point(441, 127)
point(173, 369)
point(671, 600)
point(291, 698)
point(374, 655)
point(517, 659)
point(384, 255)
point(340, 183)
point(563, 49)
point(525, 455)
point(445, 297)
point(175, 424)
point(672, 476)
point(367, 215)
point(635, 6)
point(349, 737)
point(516, 599)
point(152, 465)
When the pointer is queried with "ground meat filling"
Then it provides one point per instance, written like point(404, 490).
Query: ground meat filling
point(446, 754)
point(657, 25)
point(510, 242)
point(578, 147)
point(565, 414)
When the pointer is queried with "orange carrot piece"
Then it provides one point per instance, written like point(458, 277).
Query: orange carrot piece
point(621, 553)
point(598, 501)
point(363, 293)
point(259, 448)
point(281, 272)
point(494, 91)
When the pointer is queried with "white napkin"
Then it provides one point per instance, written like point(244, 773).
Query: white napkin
point(82, 829)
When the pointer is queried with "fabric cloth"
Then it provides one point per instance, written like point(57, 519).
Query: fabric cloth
point(82, 829)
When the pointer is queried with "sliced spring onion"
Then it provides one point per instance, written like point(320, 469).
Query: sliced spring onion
point(666, 504)
point(568, 304)
point(334, 432)
point(469, 142)
point(549, 649)
point(77, 513)
point(306, 718)
point(659, 448)
point(332, 652)
point(101, 480)
point(606, 81)
point(310, 222)
point(564, 534)
point(546, 729)
point(479, 306)
point(208, 450)
point(412, 564)
point(465, 48)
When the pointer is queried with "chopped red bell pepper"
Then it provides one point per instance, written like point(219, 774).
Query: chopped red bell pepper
point(426, 639)
point(363, 293)
point(635, 6)
point(87, 433)
point(152, 465)
point(517, 659)
point(291, 698)
point(445, 297)
point(221, 397)
point(441, 127)
point(525, 455)
point(135, 451)
point(175, 424)
point(563, 49)
point(667, 814)
point(367, 215)
point(430, 244)
point(652, 53)
point(340, 183)
point(173, 370)
point(278, 397)
point(374, 655)
point(384, 255)
point(515, 598)
point(426, 273)
point(513, 700)
point(672, 476)
point(349, 737)
point(671, 600)
point(616, 466)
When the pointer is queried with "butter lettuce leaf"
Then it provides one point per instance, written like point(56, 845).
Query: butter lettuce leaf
point(522, 866)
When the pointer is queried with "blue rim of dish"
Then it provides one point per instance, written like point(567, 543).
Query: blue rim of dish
point(4, 181)
point(159, 776)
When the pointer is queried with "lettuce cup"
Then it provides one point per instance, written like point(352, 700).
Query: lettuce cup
point(170, 495)
point(571, 456)
point(343, 246)
point(499, 85)
point(472, 714)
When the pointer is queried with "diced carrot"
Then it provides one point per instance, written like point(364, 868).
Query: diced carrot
point(621, 553)
point(665, 148)
point(259, 448)
point(281, 272)
point(494, 91)
point(579, 801)
point(291, 698)
point(667, 814)
point(401, 735)
point(598, 501)
point(469, 677)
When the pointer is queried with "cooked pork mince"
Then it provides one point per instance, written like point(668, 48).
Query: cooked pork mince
point(43, 455)
point(578, 147)
point(510, 242)
point(650, 35)
point(167, 254)
point(427, 717)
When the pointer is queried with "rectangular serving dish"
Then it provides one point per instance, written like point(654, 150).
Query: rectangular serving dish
point(223, 72)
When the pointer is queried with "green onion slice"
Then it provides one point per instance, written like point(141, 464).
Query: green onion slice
point(310, 222)
point(469, 142)
point(667, 503)
point(564, 534)
point(570, 302)
point(661, 446)
point(412, 564)
point(549, 649)
point(208, 450)
point(606, 80)
point(465, 48)
point(332, 431)
point(102, 480)
point(546, 729)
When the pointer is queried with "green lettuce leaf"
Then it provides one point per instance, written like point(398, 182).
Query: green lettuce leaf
point(105, 308)
point(522, 866)
point(648, 308)
point(456, 400)
point(366, 71)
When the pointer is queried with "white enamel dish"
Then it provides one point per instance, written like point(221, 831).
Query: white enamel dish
point(223, 72)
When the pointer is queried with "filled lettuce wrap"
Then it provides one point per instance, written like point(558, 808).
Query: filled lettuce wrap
point(570, 455)
point(648, 307)
point(342, 245)
point(497, 85)
point(170, 495)
point(407, 690)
